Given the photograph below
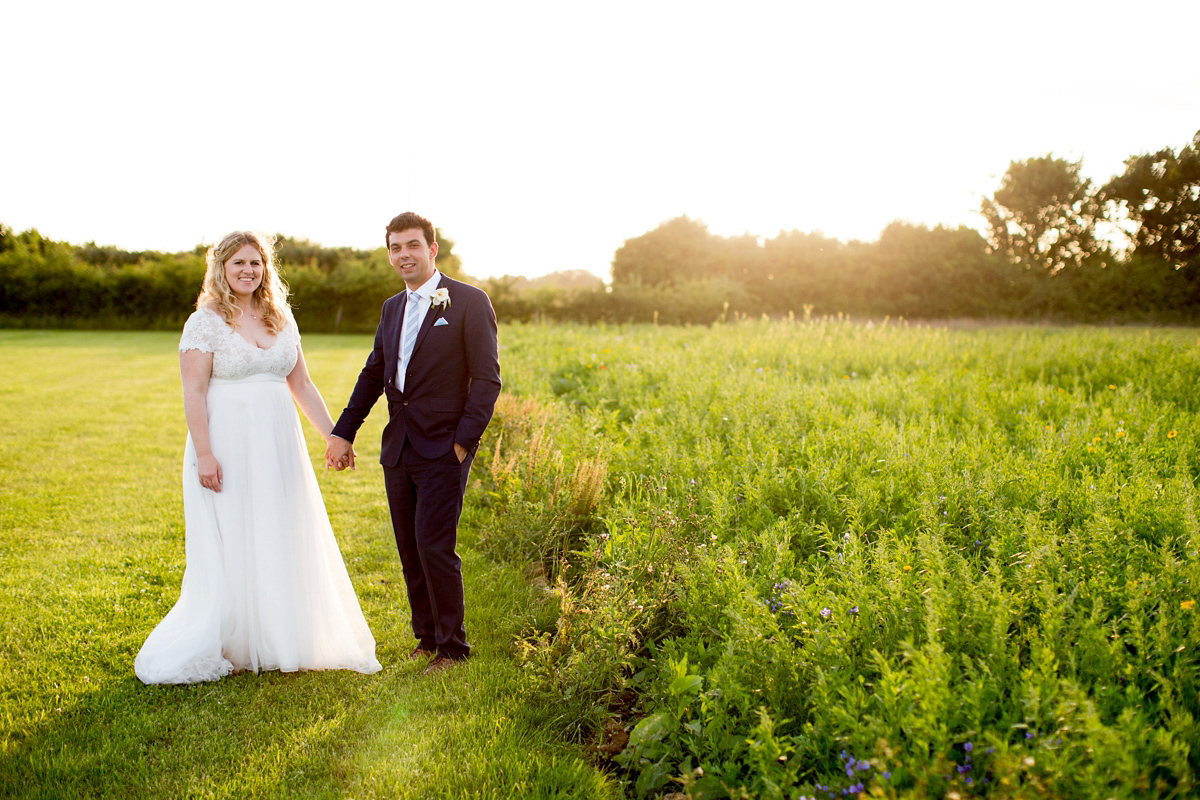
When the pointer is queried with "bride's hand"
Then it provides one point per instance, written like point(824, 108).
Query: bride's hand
point(210, 472)
point(339, 454)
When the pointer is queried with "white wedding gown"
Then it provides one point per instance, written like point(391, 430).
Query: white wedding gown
point(265, 586)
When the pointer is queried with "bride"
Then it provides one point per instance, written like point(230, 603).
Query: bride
point(265, 586)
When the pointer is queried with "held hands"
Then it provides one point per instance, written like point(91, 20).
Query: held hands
point(339, 454)
point(210, 472)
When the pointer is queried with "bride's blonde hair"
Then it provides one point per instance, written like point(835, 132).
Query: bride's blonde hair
point(271, 295)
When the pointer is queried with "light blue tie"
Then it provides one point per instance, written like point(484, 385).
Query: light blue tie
point(410, 336)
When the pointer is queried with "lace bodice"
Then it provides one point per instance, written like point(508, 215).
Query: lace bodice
point(233, 356)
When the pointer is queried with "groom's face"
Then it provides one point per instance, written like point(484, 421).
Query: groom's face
point(411, 257)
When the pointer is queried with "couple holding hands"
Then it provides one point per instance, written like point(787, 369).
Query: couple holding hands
point(265, 585)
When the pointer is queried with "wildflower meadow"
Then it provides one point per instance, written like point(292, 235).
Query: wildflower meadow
point(816, 559)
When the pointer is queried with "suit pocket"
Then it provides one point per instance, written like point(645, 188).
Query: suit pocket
point(447, 405)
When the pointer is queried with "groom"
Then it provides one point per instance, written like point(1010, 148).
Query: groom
point(436, 359)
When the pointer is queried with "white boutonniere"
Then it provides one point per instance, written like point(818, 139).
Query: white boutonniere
point(441, 299)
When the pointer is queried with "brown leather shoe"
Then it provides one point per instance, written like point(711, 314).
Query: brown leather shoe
point(418, 654)
point(440, 663)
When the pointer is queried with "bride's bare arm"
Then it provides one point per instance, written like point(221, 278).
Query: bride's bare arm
point(195, 367)
point(308, 398)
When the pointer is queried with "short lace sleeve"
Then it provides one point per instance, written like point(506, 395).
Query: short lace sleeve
point(200, 332)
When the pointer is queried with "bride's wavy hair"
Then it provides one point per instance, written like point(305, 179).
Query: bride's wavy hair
point(271, 296)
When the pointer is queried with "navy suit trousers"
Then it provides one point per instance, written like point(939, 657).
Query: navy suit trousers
point(425, 496)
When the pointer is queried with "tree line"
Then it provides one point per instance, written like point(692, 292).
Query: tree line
point(1057, 248)
point(45, 283)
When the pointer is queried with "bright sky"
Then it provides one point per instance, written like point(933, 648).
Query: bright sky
point(541, 135)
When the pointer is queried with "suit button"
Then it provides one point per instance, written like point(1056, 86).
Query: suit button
point(405, 403)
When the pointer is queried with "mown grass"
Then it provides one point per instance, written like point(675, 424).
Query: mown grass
point(91, 556)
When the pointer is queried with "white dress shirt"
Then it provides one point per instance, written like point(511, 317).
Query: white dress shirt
point(424, 302)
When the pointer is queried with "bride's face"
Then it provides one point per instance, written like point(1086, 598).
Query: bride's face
point(244, 270)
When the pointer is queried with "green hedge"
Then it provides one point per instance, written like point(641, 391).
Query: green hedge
point(911, 272)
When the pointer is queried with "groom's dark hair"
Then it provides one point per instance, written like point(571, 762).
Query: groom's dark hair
point(406, 221)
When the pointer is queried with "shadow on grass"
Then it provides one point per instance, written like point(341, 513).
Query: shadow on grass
point(467, 732)
point(248, 734)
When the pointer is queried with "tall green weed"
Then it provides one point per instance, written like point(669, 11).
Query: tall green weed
point(900, 559)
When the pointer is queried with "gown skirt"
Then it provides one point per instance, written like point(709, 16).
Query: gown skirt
point(265, 586)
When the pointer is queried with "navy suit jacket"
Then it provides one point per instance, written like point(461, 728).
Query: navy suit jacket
point(452, 382)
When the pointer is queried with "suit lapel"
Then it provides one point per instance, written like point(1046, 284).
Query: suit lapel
point(391, 342)
point(431, 317)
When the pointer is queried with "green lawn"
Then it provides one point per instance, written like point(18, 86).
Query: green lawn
point(91, 557)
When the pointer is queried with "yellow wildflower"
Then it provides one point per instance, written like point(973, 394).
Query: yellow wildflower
point(1112, 386)
point(1172, 434)
point(1120, 434)
point(1187, 605)
point(907, 568)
